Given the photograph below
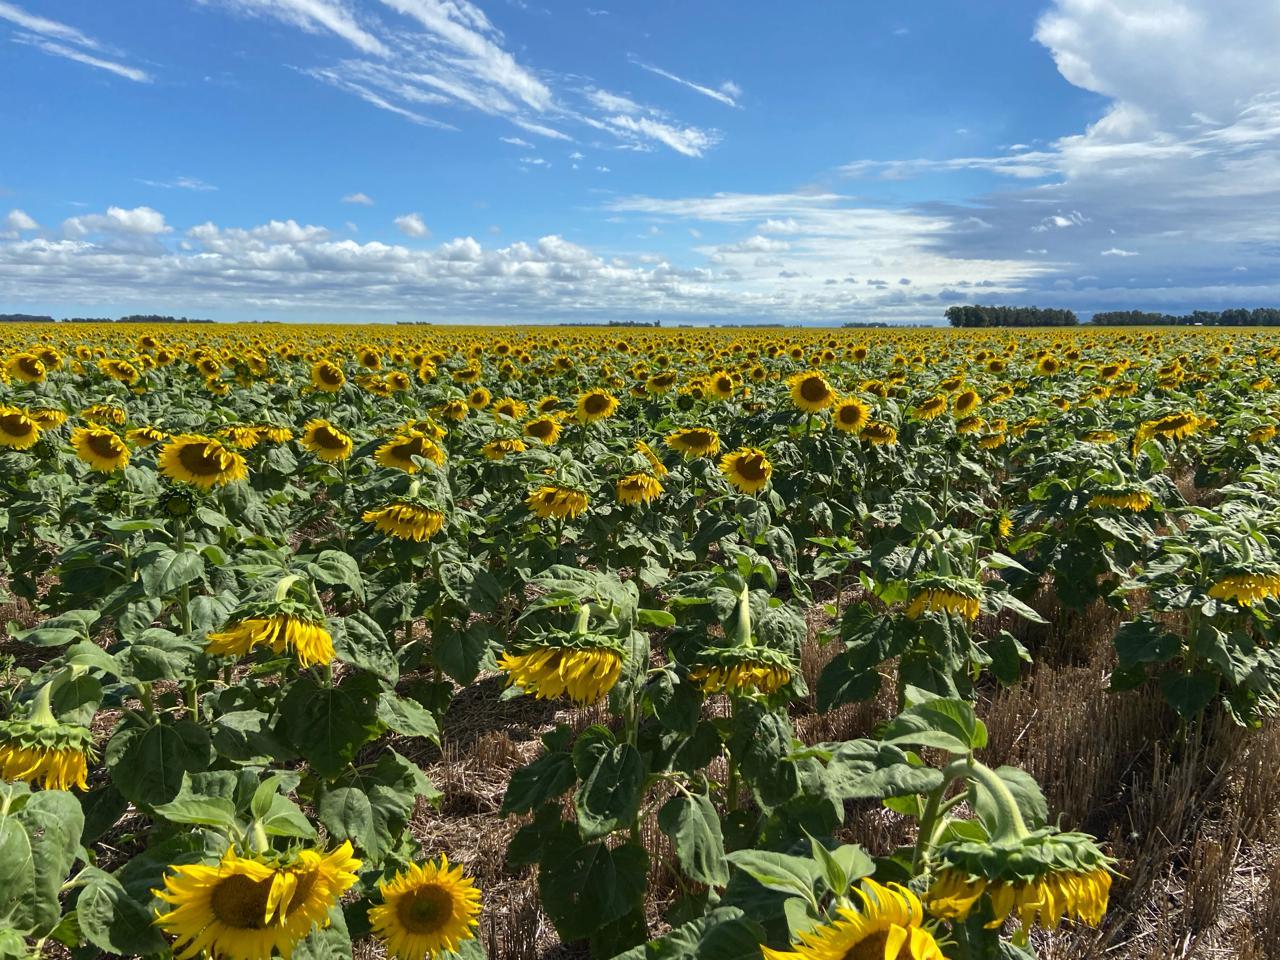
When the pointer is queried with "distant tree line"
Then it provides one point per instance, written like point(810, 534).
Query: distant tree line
point(980, 316)
point(1235, 317)
point(132, 318)
point(864, 324)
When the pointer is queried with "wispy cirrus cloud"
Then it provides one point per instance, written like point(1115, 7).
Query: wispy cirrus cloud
point(181, 183)
point(728, 92)
point(61, 40)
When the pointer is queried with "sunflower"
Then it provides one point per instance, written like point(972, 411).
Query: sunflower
point(309, 639)
point(810, 391)
point(1100, 436)
point(639, 488)
point(26, 367)
point(426, 910)
point(1122, 498)
point(660, 383)
point(326, 441)
point(1175, 426)
point(656, 465)
point(545, 428)
point(744, 676)
point(935, 406)
point(1247, 588)
point(245, 436)
point(100, 448)
point(554, 500)
point(399, 452)
point(585, 674)
point(104, 413)
point(747, 468)
point(273, 433)
point(945, 595)
point(42, 749)
point(18, 430)
point(121, 370)
point(966, 402)
point(478, 398)
point(146, 436)
point(1046, 899)
point(695, 442)
point(888, 925)
point(455, 409)
point(1263, 434)
point(47, 418)
point(510, 408)
point(850, 415)
point(498, 449)
point(247, 909)
point(879, 434)
point(406, 521)
point(596, 405)
point(1047, 366)
point(201, 461)
point(327, 376)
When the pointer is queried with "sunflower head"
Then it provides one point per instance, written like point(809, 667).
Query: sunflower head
point(408, 519)
point(18, 430)
point(544, 428)
point(748, 469)
point(945, 595)
point(810, 391)
point(498, 449)
point(288, 623)
point(41, 749)
point(201, 461)
point(638, 488)
point(596, 405)
point(888, 924)
point(426, 910)
point(1131, 498)
point(326, 441)
point(741, 670)
point(582, 666)
point(401, 452)
point(558, 500)
point(695, 442)
point(1247, 585)
point(850, 415)
point(100, 448)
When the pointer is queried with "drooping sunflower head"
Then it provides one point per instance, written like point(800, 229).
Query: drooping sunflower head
point(1247, 585)
point(810, 391)
point(887, 925)
point(406, 520)
point(43, 750)
point(244, 436)
point(945, 595)
point(596, 405)
point(426, 910)
point(1039, 878)
point(400, 451)
point(18, 430)
point(1175, 426)
point(741, 670)
point(498, 449)
point(47, 418)
point(326, 441)
point(201, 461)
point(656, 466)
point(557, 500)
point(933, 407)
point(748, 469)
point(638, 488)
point(850, 415)
point(100, 448)
point(879, 434)
point(455, 409)
point(283, 627)
point(104, 413)
point(695, 442)
point(146, 436)
point(509, 408)
point(121, 370)
point(1129, 497)
point(582, 666)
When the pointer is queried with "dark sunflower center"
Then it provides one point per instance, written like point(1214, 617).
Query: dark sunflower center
point(330, 375)
point(425, 910)
point(16, 425)
point(30, 366)
point(104, 445)
point(241, 902)
point(850, 415)
point(596, 403)
point(813, 389)
point(699, 439)
point(724, 385)
point(329, 438)
point(869, 948)
point(414, 447)
point(541, 429)
point(200, 459)
point(753, 466)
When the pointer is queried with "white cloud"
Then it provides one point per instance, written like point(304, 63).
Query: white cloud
point(46, 27)
point(139, 220)
point(181, 183)
point(18, 221)
point(1060, 222)
point(411, 225)
point(314, 16)
point(1118, 252)
point(361, 198)
point(613, 102)
point(517, 142)
point(689, 141)
point(726, 94)
point(79, 56)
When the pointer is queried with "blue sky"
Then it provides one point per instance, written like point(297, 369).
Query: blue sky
point(508, 161)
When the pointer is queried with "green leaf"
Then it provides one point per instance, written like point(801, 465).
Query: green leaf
point(535, 783)
point(585, 886)
point(157, 654)
point(778, 871)
point(333, 568)
point(725, 933)
point(358, 640)
point(461, 653)
point(328, 725)
point(612, 786)
point(208, 811)
point(147, 764)
point(1026, 793)
point(67, 627)
point(947, 724)
point(39, 841)
point(407, 717)
point(113, 921)
point(163, 570)
point(284, 818)
point(1189, 693)
point(693, 825)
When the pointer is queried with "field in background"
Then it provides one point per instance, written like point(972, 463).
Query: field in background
point(787, 608)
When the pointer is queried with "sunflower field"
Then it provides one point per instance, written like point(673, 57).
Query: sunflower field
point(414, 641)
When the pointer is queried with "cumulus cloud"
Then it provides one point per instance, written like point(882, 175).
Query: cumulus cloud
point(140, 220)
point(18, 220)
point(363, 199)
point(411, 225)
